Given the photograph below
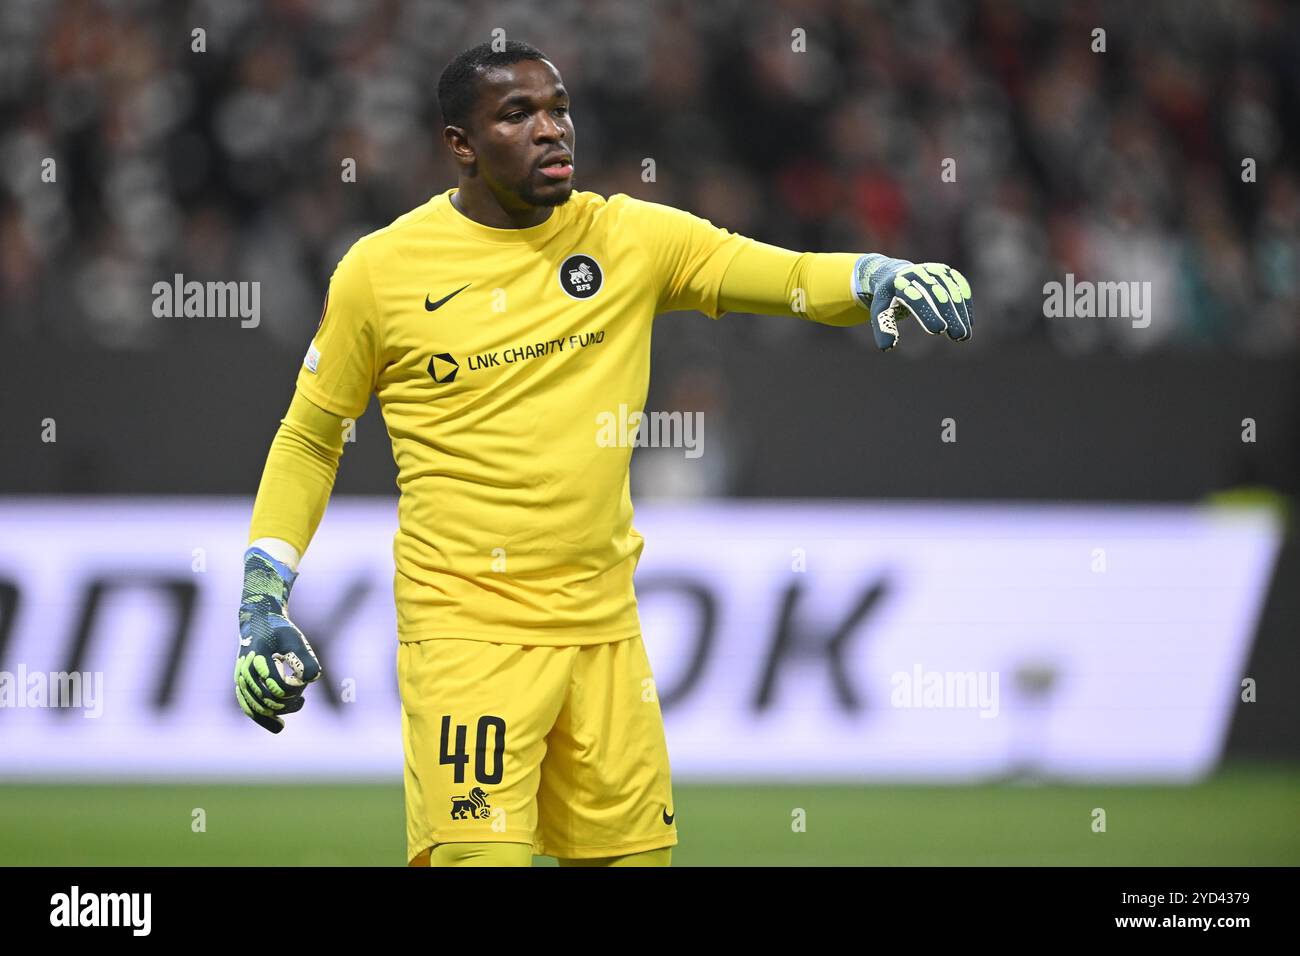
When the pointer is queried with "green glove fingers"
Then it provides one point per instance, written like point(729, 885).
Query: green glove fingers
point(261, 718)
point(935, 282)
point(917, 298)
point(907, 286)
point(249, 703)
point(264, 671)
point(259, 691)
point(958, 290)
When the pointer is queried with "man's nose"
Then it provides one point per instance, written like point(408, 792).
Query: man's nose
point(549, 129)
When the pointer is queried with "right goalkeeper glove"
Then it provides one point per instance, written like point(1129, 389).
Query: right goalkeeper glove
point(275, 662)
point(936, 294)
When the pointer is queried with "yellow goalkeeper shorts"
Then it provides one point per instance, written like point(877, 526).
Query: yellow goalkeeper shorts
point(559, 747)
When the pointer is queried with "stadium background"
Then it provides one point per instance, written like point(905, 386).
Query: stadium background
point(1117, 165)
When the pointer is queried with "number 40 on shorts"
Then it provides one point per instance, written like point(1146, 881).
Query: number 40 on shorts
point(489, 728)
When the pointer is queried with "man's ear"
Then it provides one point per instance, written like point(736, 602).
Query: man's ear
point(458, 142)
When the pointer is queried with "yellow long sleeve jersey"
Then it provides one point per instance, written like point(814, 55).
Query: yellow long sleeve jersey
point(493, 353)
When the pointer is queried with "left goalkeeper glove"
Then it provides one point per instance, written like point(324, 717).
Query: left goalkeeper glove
point(936, 294)
point(275, 662)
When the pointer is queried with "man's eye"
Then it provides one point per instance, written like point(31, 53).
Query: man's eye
point(562, 110)
point(516, 116)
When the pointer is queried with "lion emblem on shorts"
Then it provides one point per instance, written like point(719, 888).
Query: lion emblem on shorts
point(475, 806)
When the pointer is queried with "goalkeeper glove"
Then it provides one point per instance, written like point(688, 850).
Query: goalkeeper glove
point(936, 294)
point(275, 662)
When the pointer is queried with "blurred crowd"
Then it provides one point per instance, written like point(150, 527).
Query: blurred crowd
point(1168, 156)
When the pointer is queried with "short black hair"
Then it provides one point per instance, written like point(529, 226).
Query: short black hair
point(458, 85)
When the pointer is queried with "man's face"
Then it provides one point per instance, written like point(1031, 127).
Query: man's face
point(521, 135)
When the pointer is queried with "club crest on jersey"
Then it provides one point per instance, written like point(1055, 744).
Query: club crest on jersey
point(580, 276)
point(475, 806)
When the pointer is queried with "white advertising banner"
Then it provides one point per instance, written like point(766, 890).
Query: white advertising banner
point(830, 641)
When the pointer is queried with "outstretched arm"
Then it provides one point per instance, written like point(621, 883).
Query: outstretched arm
point(844, 289)
point(700, 266)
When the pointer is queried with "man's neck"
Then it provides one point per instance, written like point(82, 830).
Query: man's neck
point(483, 207)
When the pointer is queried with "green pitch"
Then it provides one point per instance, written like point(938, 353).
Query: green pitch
point(1243, 816)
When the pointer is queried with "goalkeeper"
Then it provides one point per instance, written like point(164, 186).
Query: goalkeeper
point(495, 323)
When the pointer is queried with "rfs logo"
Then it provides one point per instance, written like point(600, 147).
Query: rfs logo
point(580, 276)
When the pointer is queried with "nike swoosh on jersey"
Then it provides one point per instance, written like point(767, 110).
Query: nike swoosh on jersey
point(431, 306)
point(668, 818)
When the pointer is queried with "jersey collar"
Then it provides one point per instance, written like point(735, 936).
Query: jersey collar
point(531, 236)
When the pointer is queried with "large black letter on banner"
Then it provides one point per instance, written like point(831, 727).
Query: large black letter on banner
point(791, 641)
point(181, 591)
point(9, 599)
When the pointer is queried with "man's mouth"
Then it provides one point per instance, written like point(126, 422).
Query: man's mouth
point(557, 167)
